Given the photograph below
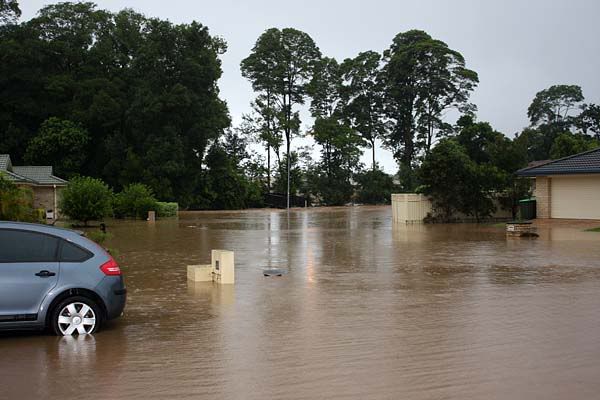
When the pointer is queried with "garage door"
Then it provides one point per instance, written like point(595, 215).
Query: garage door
point(576, 197)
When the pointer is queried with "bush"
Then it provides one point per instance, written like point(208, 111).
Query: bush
point(135, 201)
point(86, 199)
point(165, 209)
point(16, 204)
point(375, 187)
point(98, 236)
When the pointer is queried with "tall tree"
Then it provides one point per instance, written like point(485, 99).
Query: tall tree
point(589, 119)
point(553, 106)
point(340, 143)
point(263, 125)
point(422, 78)
point(282, 62)
point(9, 11)
point(552, 113)
point(363, 97)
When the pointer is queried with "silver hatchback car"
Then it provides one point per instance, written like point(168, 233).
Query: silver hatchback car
point(56, 278)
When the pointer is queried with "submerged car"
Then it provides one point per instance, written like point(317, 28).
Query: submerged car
point(56, 278)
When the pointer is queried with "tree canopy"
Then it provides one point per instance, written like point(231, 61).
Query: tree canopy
point(422, 78)
point(143, 89)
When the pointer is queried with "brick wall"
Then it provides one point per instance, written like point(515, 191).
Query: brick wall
point(543, 196)
point(43, 197)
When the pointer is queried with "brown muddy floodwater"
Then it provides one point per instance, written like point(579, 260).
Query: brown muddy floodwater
point(368, 310)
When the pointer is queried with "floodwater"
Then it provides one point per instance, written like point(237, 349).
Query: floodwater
point(368, 310)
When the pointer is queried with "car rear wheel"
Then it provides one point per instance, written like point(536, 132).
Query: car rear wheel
point(76, 316)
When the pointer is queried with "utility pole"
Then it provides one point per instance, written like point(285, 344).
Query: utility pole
point(288, 176)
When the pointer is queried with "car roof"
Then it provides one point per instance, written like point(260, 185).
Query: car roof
point(49, 229)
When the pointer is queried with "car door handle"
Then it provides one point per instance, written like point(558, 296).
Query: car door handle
point(45, 274)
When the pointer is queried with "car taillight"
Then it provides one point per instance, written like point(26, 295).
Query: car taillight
point(110, 267)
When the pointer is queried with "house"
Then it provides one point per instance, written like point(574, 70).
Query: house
point(45, 186)
point(568, 187)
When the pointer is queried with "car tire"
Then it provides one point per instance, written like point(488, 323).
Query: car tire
point(76, 315)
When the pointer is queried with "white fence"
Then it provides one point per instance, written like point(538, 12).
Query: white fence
point(411, 208)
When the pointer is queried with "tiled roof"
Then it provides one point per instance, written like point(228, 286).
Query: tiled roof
point(11, 176)
point(42, 175)
point(583, 163)
point(4, 162)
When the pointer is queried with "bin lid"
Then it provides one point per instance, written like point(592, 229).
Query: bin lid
point(527, 200)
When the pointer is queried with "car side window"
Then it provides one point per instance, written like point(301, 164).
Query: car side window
point(25, 246)
point(70, 252)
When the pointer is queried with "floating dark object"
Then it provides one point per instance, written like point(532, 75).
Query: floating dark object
point(274, 272)
point(529, 234)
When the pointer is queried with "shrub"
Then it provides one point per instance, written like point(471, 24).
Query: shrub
point(165, 209)
point(98, 236)
point(135, 201)
point(375, 187)
point(86, 199)
point(16, 204)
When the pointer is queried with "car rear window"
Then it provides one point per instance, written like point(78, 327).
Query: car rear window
point(26, 246)
point(70, 252)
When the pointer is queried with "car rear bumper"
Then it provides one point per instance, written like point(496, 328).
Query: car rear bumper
point(114, 293)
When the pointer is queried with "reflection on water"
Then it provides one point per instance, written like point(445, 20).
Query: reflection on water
point(367, 310)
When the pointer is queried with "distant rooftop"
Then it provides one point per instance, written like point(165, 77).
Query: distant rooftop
point(587, 162)
point(4, 162)
point(32, 175)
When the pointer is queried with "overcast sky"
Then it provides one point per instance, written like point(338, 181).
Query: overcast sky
point(517, 47)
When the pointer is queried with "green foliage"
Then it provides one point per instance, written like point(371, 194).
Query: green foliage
point(297, 174)
point(456, 183)
point(86, 199)
point(332, 188)
point(553, 122)
point(375, 187)
point(280, 67)
point(489, 148)
point(331, 177)
point(227, 189)
point(552, 106)
point(567, 144)
point(593, 229)
point(421, 79)
point(59, 143)
point(166, 210)
point(98, 236)
point(134, 201)
point(363, 97)
point(9, 11)
point(16, 204)
point(589, 120)
point(443, 174)
point(143, 89)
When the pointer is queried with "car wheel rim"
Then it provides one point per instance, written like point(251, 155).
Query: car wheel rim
point(76, 318)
